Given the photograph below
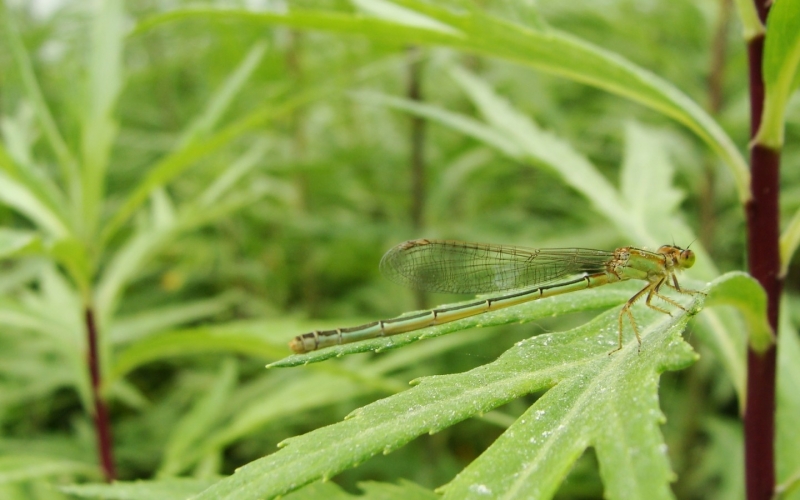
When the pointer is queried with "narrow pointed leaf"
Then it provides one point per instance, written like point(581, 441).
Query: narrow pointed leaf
point(781, 70)
point(575, 363)
point(546, 49)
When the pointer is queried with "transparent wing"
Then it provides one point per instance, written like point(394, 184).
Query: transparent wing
point(459, 267)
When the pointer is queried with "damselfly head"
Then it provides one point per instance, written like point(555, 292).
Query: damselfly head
point(682, 258)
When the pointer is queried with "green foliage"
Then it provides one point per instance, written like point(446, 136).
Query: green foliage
point(539, 46)
point(788, 404)
point(180, 488)
point(781, 70)
point(742, 291)
point(211, 182)
point(609, 402)
point(165, 489)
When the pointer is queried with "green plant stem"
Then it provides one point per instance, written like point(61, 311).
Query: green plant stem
point(101, 422)
point(716, 77)
point(417, 140)
point(764, 264)
point(417, 154)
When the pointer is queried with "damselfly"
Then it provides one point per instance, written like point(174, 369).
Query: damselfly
point(524, 274)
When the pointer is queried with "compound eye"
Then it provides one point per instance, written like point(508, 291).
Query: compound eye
point(687, 258)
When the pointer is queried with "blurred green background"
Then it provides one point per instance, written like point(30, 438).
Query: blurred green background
point(273, 171)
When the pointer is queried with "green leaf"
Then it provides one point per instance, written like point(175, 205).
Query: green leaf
point(16, 468)
point(18, 277)
point(725, 333)
point(14, 242)
point(545, 49)
point(165, 489)
point(32, 369)
point(180, 489)
point(164, 225)
point(134, 327)
point(652, 200)
point(21, 134)
point(751, 23)
point(17, 196)
point(321, 490)
point(124, 265)
point(790, 240)
point(780, 70)
point(647, 183)
point(190, 342)
point(724, 453)
point(281, 396)
point(222, 98)
point(32, 316)
point(34, 311)
point(71, 253)
point(549, 151)
point(519, 137)
point(610, 402)
point(198, 422)
point(392, 12)
point(66, 159)
point(178, 161)
point(463, 123)
point(227, 178)
point(99, 128)
point(273, 401)
point(385, 491)
point(787, 439)
point(746, 294)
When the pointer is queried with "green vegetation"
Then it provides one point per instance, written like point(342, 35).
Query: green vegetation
point(182, 191)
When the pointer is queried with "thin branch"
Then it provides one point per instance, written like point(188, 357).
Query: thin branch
point(101, 421)
point(716, 78)
point(417, 143)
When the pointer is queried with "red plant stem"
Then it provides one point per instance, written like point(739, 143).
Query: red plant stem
point(759, 413)
point(764, 263)
point(101, 422)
